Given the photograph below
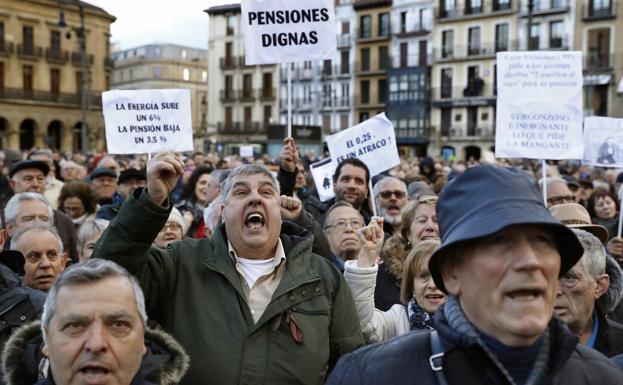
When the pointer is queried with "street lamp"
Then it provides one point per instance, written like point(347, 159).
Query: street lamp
point(84, 70)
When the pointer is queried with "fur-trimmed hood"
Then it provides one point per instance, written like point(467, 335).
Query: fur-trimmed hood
point(610, 300)
point(164, 363)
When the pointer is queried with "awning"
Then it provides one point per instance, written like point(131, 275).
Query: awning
point(597, 80)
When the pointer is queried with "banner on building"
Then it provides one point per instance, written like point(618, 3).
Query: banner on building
point(322, 172)
point(539, 105)
point(373, 142)
point(286, 31)
point(603, 142)
point(147, 121)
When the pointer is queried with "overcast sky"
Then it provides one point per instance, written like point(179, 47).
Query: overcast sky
point(159, 21)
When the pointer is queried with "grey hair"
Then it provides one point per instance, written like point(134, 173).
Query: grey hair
point(88, 230)
point(248, 170)
point(212, 214)
point(35, 226)
point(594, 258)
point(376, 190)
point(552, 179)
point(90, 271)
point(11, 209)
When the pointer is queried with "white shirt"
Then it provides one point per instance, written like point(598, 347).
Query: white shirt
point(252, 269)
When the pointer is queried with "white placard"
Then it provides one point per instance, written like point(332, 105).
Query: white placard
point(603, 142)
point(322, 172)
point(539, 105)
point(246, 151)
point(285, 31)
point(148, 121)
point(373, 142)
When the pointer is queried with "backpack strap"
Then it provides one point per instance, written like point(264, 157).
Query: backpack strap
point(435, 360)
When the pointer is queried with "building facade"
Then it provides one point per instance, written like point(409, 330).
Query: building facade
point(159, 66)
point(40, 74)
point(243, 99)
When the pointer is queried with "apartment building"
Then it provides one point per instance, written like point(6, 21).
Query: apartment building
point(599, 30)
point(160, 66)
point(408, 104)
point(40, 74)
point(372, 56)
point(242, 99)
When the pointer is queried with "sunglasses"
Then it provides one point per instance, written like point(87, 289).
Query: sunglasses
point(388, 194)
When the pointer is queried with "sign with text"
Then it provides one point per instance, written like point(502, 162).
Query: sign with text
point(539, 105)
point(603, 142)
point(147, 121)
point(373, 142)
point(246, 151)
point(322, 172)
point(285, 31)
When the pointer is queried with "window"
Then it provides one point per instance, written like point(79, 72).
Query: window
point(403, 22)
point(345, 62)
point(404, 55)
point(229, 89)
point(448, 8)
point(267, 84)
point(204, 76)
point(598, 49)
point(55, 80)
point(343, 122)
point(600, 8)
point(345, 27)
point(186, 74)
point(365, 91)
point(326, 67)
point(268, 113)
point(184, 54)
point(344, 102)
point(79, 80)
point(1, 36)
point(473, 34)
point(535, 32)
point(131, 75)
point(28, 40)
point(326, 123)
point(556, 34)
point(447, 44)
point(383, 58)
point(157, 71)
point(365, 26)
point(27, 73)
point(247, 86)
point(501, 37)
point(446, 121)
point(1, 75)
point(384, 24)
point(382, 91)
point(365, 59)
point(446, 83)
point(248, 111)
point(363, 116)
point(231, 25)
point(501, 5)
point(55, 42)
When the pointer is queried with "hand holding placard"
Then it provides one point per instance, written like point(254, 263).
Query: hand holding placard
point(163, 171)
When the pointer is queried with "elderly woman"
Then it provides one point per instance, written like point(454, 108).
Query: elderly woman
point(174, 229)
point(604, 208)
point(419, 224)
point(419, 295)
point(78, 200)
point(88, 234)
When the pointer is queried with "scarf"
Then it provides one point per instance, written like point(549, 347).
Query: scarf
point(418, 317)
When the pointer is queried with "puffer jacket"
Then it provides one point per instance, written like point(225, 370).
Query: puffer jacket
point(164, 363)
point(193, 290)
point(405, 360)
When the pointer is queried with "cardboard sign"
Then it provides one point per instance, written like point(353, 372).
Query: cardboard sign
point(285, 31)
point(603, 142)
point(539, 105)
point(322, 172)
point(373, 142)
point(246, 151)
point(147, 121)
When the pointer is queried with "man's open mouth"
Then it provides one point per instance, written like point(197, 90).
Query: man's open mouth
point(94, 370)
point(525, 294)
point(254, 221)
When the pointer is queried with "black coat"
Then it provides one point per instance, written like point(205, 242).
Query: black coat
point(609, 340)
point(387, 290)
point(405, 360)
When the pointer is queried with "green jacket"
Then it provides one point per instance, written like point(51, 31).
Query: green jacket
point(193, 290)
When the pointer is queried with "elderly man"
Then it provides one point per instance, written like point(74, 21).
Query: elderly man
point(174, 230)
point(91, 337)
point(340, 228)
point(264, 308)
point(576, 300)
point(30, 176)
point(390, 197)
point(501, 255)
point(104, 182)
point(129, 180)
point(53, 186)
point(44, 259)
point(557, 192)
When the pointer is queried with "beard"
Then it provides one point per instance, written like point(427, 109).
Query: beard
point(393, 220)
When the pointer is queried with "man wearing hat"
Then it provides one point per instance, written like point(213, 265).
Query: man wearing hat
point(129, 180)
point(501, 255)
point(30, 176)
point(104, 182)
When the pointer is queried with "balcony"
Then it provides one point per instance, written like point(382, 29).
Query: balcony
point(464, 96)
point(303, 74)
point(344, 40)
point(335, 71)
point(109, 63)
point(56, 56)
point(592, 11)
point(545, 7)
point(267, 94)
point(335, 103)
point(76, 59)
point(413, 30)
point(6, 48)
point(410, 61)
point(247, 95)
point(229, 62)
point(298, 104)
point(484, 50)
point(376, 69)
point(484, 9)
point(372, 35)
point(29, 52)
point(473, 133)
point(598, 63)
point(239, 128)
point(229, 96)
point(72, 100)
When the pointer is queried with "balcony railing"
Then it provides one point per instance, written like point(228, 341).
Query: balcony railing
point(237, 128)
point(300, 104)
point(29, 52)
point(543, 7)
point(247, 95)
point(335, 103)
point(305, 73)
point(464, 51)
point(474, 91)
point(480, 132)
point(596, 62)
point(6, 48)
point(411, 61)
point(229, 96)
point(373, 35)
point(108, 62)
point(46, 96)
point(229, 62)
point(344, 40)
point(76, 59)
point(56, 56)
point(267, 94)
point(413, 29)
point(484, 8)
point(592, 11)
point(334, 71)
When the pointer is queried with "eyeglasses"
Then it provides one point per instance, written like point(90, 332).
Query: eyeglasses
point(560, 199)
point(388, 194)
point(172, 226)
point(355, 224)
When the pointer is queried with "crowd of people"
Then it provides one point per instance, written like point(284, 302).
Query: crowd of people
point(195, 269)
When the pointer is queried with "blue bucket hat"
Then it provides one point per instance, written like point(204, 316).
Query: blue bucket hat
point(486, 199)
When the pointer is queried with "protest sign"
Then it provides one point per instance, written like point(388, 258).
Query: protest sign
point(147, 121)
point(322, 172)
point(603, 142)
point(539, 105)
point(285, 31)
point(373, 142)
point(246, 151)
